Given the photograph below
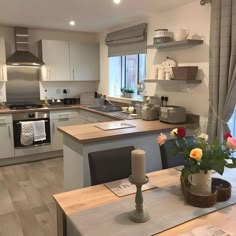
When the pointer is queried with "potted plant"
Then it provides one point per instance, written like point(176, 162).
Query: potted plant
point(130, 92)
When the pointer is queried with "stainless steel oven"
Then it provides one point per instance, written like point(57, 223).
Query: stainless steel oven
point(30, 116)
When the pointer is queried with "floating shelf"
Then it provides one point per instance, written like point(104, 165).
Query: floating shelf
point(187, 42)
point(172, 81)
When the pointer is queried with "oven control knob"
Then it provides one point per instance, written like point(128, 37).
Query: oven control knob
point(31, 115)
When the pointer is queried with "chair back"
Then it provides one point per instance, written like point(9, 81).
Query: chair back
point(168, 157)
point(110, 165)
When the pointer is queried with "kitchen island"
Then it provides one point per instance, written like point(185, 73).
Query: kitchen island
point(79, 140)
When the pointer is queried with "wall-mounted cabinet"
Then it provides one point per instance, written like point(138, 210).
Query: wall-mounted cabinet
point(84, 61)
point(3, 69)
point(55, 55)
point(69, 61)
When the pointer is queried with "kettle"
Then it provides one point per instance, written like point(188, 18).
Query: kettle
point(149, 111)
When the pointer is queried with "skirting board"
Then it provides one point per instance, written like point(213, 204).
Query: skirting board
point(30, 158)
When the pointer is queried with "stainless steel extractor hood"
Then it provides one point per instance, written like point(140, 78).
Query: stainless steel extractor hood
point(22, 56)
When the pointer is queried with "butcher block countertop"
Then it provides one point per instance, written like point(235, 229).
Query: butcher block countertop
point(88, 133)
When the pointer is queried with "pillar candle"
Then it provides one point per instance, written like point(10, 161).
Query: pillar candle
point(138, 165)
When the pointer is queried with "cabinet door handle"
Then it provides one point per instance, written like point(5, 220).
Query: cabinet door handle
point(53, 127)
point(73, 74)
point(48, 74)
point(9, 132)
point(2, 77)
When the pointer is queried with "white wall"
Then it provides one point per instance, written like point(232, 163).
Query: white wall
point(35, 35)
point(191, 16)
point(74, 89)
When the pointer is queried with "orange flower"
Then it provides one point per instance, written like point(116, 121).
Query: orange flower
point(196, 154)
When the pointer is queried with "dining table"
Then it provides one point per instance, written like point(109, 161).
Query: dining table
point(80, 200)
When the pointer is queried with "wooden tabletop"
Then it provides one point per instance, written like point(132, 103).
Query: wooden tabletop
point(94, 196)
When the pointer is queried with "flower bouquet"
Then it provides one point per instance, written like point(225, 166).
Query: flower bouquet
point(201, 157)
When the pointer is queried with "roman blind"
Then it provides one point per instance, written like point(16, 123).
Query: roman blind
point(128, 41)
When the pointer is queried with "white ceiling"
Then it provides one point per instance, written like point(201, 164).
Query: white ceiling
point(89, 15)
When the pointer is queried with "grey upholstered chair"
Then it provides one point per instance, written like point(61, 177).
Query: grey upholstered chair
point(169, 158)
point(110, 165)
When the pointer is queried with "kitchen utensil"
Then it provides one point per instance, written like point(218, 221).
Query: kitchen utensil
point(149, 111)
point(172, 114)
point(161, 73)
point(69, 101)
point(162, 36)
point(181, 34)
point(162, 100)
point(166, 100)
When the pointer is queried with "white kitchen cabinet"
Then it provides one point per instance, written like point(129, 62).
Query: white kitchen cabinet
point(3, 68)
point(86, 117)
point(6, 136)
point(84, 61)
point(55, 55)
point(59, 119)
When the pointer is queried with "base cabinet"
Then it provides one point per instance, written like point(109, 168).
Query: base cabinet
point(6, 136)
point(86, 117)
point(59, 119)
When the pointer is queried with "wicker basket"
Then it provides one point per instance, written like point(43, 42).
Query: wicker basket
point(185, 72)
point(221, 191)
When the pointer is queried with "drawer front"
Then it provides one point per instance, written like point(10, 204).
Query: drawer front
point(63, 115)
point(5, 119)
point(93, 118)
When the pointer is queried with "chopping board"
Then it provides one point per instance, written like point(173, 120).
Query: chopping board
point(112, 126)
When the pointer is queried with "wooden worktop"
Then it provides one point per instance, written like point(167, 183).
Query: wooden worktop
point(50, 108)
point(88, 133)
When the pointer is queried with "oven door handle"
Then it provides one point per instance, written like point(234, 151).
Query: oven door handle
point(9, 132)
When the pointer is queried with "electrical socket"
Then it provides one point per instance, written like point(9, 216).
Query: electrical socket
point(58, 91)
point(68, 90)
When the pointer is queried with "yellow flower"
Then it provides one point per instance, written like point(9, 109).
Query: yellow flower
point(196, 154)
point(174, 132)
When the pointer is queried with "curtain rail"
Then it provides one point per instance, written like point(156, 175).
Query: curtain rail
point(203, 2)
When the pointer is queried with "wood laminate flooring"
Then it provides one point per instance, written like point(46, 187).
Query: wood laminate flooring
point(27, 207)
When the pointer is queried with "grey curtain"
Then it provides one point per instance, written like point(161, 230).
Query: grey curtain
point(222, 70)
point(128, 41)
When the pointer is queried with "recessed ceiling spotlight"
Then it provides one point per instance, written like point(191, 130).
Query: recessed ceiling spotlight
point(116, 1)
point(72, 23)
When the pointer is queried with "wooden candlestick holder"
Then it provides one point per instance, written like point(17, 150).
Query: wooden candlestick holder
point(139, 215)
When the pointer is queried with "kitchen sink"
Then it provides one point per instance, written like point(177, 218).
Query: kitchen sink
point(105, 108)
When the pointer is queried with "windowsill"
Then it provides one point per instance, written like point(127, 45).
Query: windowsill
point(123, 99)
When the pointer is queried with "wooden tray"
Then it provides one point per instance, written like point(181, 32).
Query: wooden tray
point(221, 191)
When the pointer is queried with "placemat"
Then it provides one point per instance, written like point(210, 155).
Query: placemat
point(166, 207)
point(123, 187)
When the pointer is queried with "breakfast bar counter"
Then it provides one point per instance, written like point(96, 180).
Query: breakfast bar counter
point(91, 133)
point(80, 140)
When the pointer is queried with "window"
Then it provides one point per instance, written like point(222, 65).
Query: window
point(126, 72)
